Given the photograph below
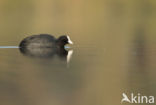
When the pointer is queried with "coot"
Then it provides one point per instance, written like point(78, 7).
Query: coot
point(46, 41)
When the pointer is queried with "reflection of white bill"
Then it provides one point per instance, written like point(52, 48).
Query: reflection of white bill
point(69, 56)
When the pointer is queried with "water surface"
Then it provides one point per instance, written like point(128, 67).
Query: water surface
point(114, 52)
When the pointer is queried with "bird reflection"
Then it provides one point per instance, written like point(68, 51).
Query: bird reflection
point(47, 53)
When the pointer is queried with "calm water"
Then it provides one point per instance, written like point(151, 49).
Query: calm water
point(114, 51)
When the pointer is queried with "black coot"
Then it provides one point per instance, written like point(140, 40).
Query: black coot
point(44, 52)
point(45, 40)
point(45, 46)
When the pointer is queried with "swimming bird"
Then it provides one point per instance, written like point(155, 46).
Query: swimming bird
point(45, 40)
point(46, 46)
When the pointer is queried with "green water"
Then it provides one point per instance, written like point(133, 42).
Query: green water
point(114, 51)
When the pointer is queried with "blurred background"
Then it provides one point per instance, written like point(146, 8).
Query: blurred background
point(114, 51)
